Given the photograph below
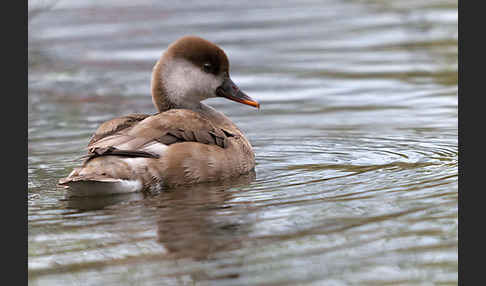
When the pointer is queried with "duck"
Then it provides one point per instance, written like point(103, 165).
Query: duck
point(185, 142)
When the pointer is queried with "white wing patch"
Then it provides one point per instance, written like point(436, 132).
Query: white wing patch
point(156, 148)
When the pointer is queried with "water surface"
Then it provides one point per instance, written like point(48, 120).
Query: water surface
point(356, 145)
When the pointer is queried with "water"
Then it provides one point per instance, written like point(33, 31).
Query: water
point(356, 145)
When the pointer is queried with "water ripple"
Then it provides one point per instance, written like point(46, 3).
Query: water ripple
point(355, 142)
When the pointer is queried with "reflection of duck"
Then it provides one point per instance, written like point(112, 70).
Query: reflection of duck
point(196, 222)
point(97, 203)
point(186, 142)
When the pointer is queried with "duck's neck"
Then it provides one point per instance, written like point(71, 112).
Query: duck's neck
point(159, 91)
point(161, 97)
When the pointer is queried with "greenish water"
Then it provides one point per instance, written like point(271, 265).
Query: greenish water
point(356, 145)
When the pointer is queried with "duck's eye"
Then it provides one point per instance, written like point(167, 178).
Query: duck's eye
point(207, 67)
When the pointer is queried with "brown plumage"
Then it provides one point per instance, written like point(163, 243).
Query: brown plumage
point(186, 142)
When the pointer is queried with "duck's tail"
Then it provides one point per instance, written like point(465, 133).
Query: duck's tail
point(95, 185)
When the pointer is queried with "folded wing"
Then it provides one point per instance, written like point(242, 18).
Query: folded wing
point(140, 135)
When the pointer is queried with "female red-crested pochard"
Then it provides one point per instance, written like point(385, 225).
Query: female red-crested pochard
point(186, 142)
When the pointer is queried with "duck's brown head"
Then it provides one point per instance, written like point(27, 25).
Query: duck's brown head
point(191, 70)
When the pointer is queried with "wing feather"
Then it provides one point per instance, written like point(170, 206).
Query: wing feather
point(128, 135)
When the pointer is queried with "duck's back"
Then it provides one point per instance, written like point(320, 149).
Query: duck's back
point(178, 146)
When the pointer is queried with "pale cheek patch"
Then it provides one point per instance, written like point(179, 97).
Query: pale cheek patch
point(188, 85)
